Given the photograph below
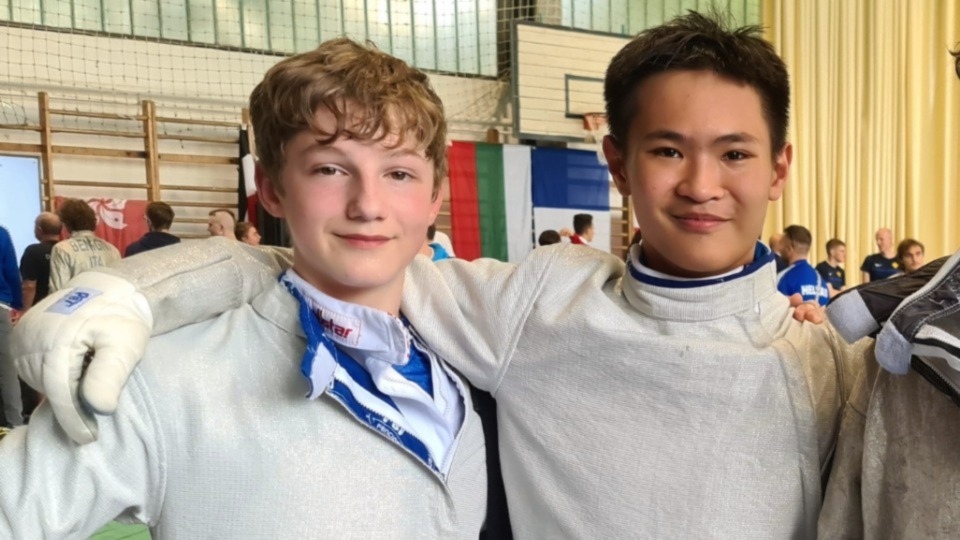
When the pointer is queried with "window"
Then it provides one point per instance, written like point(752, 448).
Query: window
point(457, 36)
point(629, 17)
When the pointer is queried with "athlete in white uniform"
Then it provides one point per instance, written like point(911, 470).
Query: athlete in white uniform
point(385, 444)
point(83, 250)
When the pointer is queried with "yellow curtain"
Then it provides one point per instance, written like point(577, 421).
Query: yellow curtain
point(875, 122)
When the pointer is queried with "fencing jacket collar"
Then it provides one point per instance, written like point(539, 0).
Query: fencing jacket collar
point(372, 364)
point(704, 299)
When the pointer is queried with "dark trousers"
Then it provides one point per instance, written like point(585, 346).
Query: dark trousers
point(497, 525)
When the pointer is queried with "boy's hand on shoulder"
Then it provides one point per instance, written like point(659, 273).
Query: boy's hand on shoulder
point(806, 311)
point(96, 316)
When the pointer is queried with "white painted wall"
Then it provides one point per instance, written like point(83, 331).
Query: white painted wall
point(20, 199)
point(545, 55)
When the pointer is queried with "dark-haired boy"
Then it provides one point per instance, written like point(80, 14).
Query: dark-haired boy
point(159, 216)
point(831, 270)
point(583, 229)
point(678, 400)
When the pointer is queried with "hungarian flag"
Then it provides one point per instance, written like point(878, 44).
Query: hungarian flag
point(490, 200)
point(569, 182)
point(119, 221)
point(247, 187)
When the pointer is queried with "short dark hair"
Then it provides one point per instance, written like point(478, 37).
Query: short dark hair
point(76, 215)
point(798, 236)
point(834, 243)
point(160, 215)
point(226, 210)
point(548, 237)
point(582, 222)
point(904, 246)
point(432, 231)
point(698, 42)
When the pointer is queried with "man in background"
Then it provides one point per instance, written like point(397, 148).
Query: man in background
point(582, 229)
point(882, 264)
point(35, 263)
point(159, 218)
point(431, 248)
point(910, 255)
point(221, 222)
point(831, 270)
point(35, 276)
point(775, 242)
point(800, 277)
point(10, 300)
point(83, 250)
point(443, 239)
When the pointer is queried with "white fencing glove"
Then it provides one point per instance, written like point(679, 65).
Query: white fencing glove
point(98, 314)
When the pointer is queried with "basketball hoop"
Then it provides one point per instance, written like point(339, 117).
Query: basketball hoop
point(594, 129)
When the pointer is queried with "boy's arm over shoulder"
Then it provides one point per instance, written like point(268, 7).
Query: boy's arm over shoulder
point(112, 311)
point(52, 488)
point(191, 282)
point(474, 313)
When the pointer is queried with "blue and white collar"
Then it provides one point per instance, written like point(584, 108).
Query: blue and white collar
point(642, 273)
point(745, 290)
point(356, 327)
point(329, 368)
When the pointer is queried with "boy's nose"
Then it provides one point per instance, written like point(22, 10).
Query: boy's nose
point(701, 181)
point(366, 198)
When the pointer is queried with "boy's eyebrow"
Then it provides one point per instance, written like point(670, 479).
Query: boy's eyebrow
point(318, 145)
point(403, 152)
point(664, 134)
point(673, 136)
point(738, 137)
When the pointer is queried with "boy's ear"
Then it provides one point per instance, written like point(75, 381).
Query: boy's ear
point(781, 171)
point(615, 163)
point(435, 205)
point(267, 193)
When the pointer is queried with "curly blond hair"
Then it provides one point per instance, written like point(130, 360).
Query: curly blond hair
point(371, 94)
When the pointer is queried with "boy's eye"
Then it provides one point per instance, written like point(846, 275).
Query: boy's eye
point(666, 152)
point(325, 171)
point(735, 155)
point(399, 175)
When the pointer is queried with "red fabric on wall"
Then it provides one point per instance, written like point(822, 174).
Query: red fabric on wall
point(464, 203)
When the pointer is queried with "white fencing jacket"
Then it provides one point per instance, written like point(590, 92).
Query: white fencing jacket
point(214, 438)
point(628, 407)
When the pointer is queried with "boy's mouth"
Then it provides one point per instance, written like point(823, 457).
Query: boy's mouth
point(699, 222)
point(364, 241)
